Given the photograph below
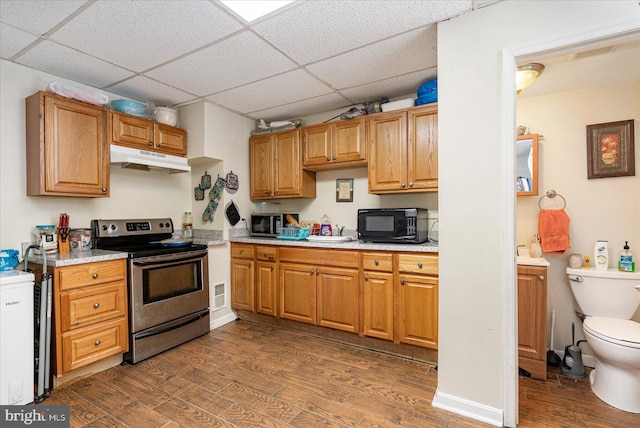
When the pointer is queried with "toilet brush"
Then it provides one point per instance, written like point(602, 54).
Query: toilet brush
point(572, 366)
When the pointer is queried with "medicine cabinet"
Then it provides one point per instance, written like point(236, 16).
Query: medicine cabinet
point(527, 165)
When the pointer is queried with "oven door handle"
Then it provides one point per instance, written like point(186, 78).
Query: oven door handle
point(168, 261)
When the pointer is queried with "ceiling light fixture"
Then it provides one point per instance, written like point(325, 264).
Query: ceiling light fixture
point(252, 10)
point(526, 74)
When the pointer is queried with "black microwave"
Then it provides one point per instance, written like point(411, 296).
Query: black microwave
point(393, 225)
point(268, 224)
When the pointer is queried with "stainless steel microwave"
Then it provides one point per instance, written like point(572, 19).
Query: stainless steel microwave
point(393, 225)
point(267, 224)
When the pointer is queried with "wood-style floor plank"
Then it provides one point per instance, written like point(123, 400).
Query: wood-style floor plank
point(246, 374)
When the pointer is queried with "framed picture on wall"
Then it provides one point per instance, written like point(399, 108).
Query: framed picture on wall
point(344, 190)
point(610, 150)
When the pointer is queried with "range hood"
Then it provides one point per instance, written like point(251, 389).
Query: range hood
point(145, 160)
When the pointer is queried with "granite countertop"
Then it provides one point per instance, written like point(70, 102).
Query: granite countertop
point(78, 257)
point(426, 247)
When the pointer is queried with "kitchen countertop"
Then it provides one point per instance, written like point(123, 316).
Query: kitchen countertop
point(426, 247)
point(78, 257)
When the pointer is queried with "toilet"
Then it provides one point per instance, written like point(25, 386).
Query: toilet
point(608, 299)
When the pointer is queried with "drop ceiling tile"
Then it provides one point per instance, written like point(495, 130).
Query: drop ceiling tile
point(143, 89)
point(282, 89)
point(13, 40)
point(390, 88)
point(37, 17)
point(345, 25)
point(396, 56)
point(139, 35)
point(301, 108)
point(73, 65)
point(237, 60)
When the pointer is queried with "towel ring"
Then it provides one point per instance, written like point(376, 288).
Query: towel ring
point(552, 194)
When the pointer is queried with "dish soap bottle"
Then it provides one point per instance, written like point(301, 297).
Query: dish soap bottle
point(325, 226)
point(536, 249)
point(601, 255)
point(626, 263)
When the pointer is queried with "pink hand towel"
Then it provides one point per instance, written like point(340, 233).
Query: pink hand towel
point(553, 231)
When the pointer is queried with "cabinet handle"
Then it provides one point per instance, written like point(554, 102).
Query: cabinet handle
point(265, 254)
point(241, 251)
point(97, 342)
point(402, 281)
point(403, 185)
point(96, 305)
point(150, 143)
point(328, 158)
point(312, 271)
point(376, 262)
point(541, 277)
point(366, 277)
point(104, 190)
point(317, 271)
point(158, 145)
point(334, 158)
point(411, 184)
point(271, 267)
point(420, 265)
point(95, 275)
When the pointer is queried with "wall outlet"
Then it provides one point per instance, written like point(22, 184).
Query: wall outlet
point(15, 391)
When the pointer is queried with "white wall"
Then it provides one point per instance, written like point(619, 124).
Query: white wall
point(476, 199)
point(606, 208)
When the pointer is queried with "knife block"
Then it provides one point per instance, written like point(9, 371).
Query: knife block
point(63, 240)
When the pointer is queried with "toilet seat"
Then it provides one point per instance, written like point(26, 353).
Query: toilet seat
point(618, 331)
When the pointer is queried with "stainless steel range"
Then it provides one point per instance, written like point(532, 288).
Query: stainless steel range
point(168, 283)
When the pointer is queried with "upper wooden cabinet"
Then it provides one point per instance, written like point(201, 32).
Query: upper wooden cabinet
point(334, 145)
point(276, 167)
point(140, 133)
point(67, 147)
point(403, 151)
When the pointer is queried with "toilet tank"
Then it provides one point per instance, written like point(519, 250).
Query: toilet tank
point(606, 293)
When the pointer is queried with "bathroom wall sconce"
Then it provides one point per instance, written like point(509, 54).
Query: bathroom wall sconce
point(526, 74)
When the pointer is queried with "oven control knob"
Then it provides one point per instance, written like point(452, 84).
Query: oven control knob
point(104, 227)
point(113, 227)
point(166, 224)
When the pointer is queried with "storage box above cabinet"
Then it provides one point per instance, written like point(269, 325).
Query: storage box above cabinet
point(67, 147)
point(139, 133)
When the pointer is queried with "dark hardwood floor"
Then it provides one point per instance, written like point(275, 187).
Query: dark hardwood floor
point(246, 374)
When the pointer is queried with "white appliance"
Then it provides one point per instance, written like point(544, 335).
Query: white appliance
point(16, 337)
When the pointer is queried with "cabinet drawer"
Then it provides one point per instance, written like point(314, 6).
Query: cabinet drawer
point(320, 257)
point(85, 346)
point(92, 304)
point(242, 251)
point(266, 253)
point(417, 263)
point(90, 274)
point(377, 261)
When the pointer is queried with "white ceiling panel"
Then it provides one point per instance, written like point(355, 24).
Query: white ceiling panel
point(13, 40)
point(143, 89)
point(37, 17)
point(302, 108)
point(275, 91)
point(139, 37)
point(320, 29)
point(70, 64)
point(407, 84)
point(237, 60)
point(406, 53)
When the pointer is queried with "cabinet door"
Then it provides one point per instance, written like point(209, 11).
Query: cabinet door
point(387, 152)
point(74, 147)
point(378, 304)
point(131, 131)
point(266, 287)
point(287, 163)
point(242, 285)
point(349, 141)
point(170, 140)
point(418, 310)
point(298, 292)
point(316, 145)
point(532, 320)
point(261, 158)
point(338, 298)
point(422, 151)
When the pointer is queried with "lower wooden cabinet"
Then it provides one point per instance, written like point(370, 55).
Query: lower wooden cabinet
point(532, 320)
point(385, 295)
point(90, 313)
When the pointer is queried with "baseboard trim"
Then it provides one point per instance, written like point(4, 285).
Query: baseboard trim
point(219, 322)
point(467, 408)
